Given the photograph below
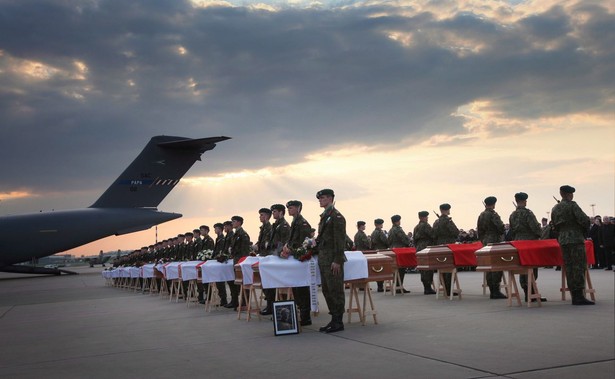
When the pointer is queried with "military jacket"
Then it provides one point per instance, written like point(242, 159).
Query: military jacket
point(280, 232)
point(489, 227)
point(207, 244)
point(240, 246)
point(398, 238)
point(524, 225)
point(331, 237)
point(361, 242)
point(571, 223)
point(423, 236)
point(445, 231)
point(228, 242)
point(379, 240)
point(264, 236)
point(219, 246)
point(299, 230)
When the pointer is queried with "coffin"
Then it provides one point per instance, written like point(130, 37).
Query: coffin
point(392, 255)
point(379, 267)
point(435, 258)
point(497, 257)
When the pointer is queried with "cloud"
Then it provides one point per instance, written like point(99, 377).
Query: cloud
point(84, 85)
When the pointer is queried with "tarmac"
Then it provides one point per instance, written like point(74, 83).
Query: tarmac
point(76, 327)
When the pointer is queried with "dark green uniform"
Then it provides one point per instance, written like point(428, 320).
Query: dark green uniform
point(524, 226)
point(240, 247)
point(490, 229)
point(445, 232)
point(264, 236)
point(399, 238)
point(299, 230)
point(572, 224)
point(361, 242)
point(218, 250)
point(379, 241)
point(423, 237)
point(331, 243)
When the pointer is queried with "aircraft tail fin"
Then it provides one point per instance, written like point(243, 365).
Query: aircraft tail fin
point(155, 172)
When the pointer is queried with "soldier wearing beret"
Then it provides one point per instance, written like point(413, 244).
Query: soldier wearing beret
point(423, 237)
point(331, 258)
point(379, 241)
point(280, 232)
point(524, 226)
point(572, 224)
point(490, 229)
point(398, 238)
point(299, 231)
point(218, 250)
point(361, 241)
point(445, 232)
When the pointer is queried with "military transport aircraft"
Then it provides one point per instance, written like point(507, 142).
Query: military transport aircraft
point(127, 206)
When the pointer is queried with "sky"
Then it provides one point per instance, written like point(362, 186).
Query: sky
point(398, 106)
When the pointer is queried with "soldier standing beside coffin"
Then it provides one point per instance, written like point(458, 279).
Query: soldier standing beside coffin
point(219, 250)
point(423, 237)
point(331, 258)
point(299, 230)
point(379, 241)
point(524, 226)
point(572, 224)
point(361, 241)
point(490, 229)
point(261, 247)
point(240, 248)
point(226, 249)
point(399, 238)
point(445, 232)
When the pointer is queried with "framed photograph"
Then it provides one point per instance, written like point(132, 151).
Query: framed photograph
point(285, 318)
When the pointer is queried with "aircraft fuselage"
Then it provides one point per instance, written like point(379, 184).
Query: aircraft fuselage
point(36, 235)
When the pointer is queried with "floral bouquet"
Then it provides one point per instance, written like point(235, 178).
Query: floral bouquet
point(205, 255)
point(305, 251)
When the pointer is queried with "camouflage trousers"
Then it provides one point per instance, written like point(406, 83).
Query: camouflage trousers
point(575, 263)
point(494, 278)
point(427, 277)
point(523, 278)
point(333, 289)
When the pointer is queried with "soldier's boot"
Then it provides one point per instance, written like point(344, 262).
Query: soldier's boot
point(306, 318)
point(525, 292)
point(579, 299)
point(268, 309)
point(428, 289)
point(496, 293)
point(337, 325)
point(380, 286)
point(324, 328)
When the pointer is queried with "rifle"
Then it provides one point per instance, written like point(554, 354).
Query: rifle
point(514, 204)
point(436, 213)
point(555, 198)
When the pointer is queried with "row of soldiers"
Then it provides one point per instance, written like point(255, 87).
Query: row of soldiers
point(569, 225)
point(281, 238)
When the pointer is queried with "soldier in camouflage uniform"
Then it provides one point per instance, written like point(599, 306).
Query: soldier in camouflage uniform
point(261, 246)
point(490, 229)
point(398, 238)
point(423, 237)
point(331, 258)
point(240, 248)
point(445, 232)
point(572, 225)
point(379, 241)
point(207, 242)
point(228, 242)
point(299, 230)
point(361, 241)
point(219, 250)
point(524, 226)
